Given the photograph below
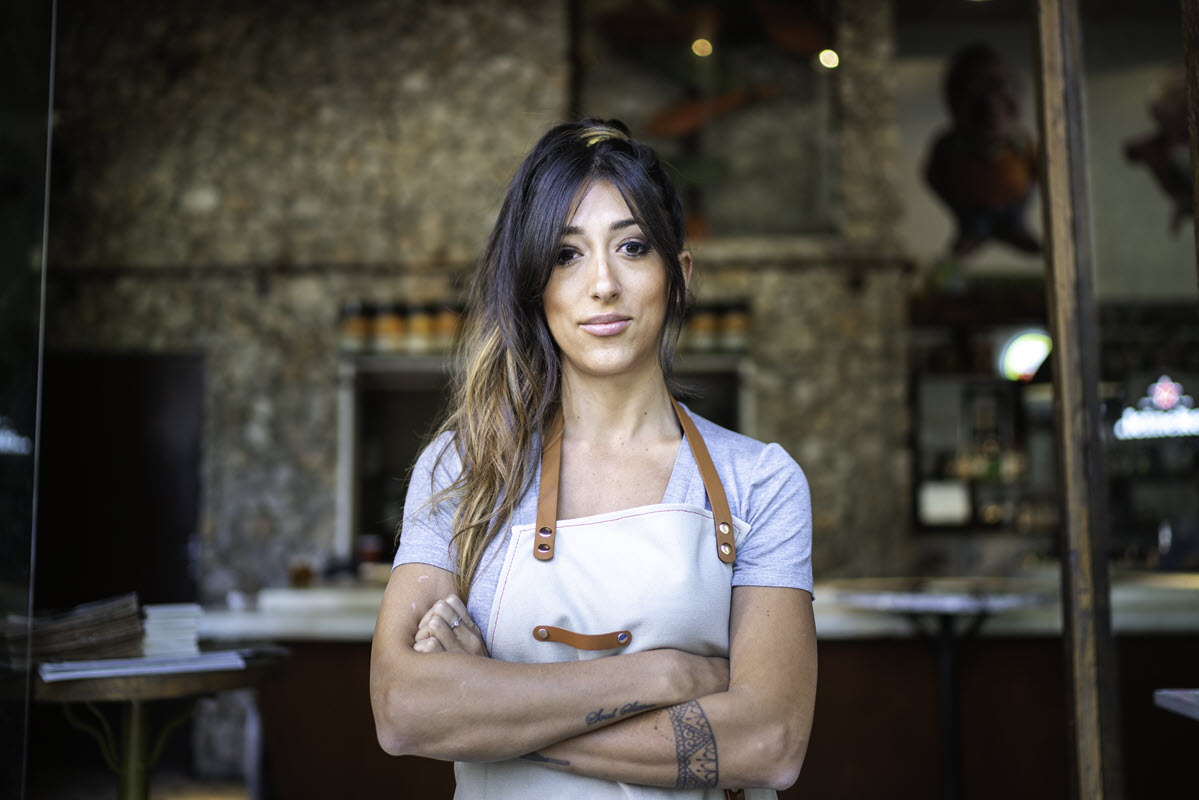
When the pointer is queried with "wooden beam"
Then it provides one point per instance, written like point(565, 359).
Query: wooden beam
point(1086, 600)
point(1190, 41)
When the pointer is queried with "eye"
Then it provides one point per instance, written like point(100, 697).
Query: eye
point(566, 255)
point(636, 248)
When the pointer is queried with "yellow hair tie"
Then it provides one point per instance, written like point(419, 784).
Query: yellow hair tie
point(596, 135)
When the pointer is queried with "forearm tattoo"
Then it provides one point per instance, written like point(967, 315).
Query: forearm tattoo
point(695, 747)
point(602, 715)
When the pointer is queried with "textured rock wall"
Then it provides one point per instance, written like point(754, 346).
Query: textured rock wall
point(871, 208)
point(828, 381)
point(201, 143)
point(225, 132)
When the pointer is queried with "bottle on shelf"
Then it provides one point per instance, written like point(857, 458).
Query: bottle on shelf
point(420, 330)
point(390, 328)
point(354, 327)
point(734, 328)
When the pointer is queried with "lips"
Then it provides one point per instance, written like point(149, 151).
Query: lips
point(605, 324)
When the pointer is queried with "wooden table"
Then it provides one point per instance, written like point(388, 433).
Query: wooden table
point(129, 753)
point(948, 602)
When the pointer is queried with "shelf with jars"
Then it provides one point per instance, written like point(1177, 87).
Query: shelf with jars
point(393, 328)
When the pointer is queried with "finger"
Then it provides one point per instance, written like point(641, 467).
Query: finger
point(454, 602)
point(447, 636)
point(445, 611)
point(424, 620)
point(458, 607)
point(468, 637)
point(439, 609)
point(429, 645)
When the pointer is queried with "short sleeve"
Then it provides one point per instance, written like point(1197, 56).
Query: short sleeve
point(777, 551)
point(426, 530)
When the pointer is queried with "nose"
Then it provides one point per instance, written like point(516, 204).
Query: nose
point(604, 285)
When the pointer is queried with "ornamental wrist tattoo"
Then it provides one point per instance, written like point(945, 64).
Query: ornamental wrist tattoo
point(695, 747)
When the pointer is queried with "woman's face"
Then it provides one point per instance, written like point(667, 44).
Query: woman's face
point(605, 302)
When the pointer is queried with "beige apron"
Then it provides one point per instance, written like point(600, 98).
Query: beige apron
point(642, 578)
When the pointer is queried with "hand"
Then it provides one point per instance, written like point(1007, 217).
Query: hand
point(447, 627)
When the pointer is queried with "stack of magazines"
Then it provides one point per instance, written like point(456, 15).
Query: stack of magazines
point(172, 629)
point(109, 628)
point(108, 638)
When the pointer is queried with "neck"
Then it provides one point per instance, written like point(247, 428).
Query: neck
point(616, 411)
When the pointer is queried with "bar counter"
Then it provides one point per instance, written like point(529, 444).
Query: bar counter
point(1142, 602)
point(881, 698)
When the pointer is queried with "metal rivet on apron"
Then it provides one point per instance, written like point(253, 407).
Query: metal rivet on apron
point(543, 547)
point(542, 633)
point(724, 528)
point(545, 532)
point(623, 638)
point(724, 548)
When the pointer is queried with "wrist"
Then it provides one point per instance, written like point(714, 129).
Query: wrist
point(680, 682)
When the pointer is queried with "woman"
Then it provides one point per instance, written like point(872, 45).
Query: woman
point(636, 579)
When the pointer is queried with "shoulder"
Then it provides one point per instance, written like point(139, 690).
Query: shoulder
point(767, 490)
point(437, 467)
point(440, 458)
point(748, 466)
point(741, 452)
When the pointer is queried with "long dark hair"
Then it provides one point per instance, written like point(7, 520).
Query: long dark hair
point(508, 390)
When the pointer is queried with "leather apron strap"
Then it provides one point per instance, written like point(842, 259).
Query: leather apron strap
point(551, 468)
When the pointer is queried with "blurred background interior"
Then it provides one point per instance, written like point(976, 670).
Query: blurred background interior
point(233, 275)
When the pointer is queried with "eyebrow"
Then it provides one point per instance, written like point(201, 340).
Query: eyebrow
point(575, 230)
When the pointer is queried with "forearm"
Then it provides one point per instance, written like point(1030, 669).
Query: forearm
point(753, 734)
point(721, 740)
point(451, 706)
point(458, 704)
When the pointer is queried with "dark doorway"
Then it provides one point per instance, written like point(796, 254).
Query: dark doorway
point(120, 477)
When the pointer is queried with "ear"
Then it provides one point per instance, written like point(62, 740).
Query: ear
point(685, 263)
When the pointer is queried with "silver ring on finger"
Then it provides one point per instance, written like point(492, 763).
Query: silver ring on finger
point(456, 623)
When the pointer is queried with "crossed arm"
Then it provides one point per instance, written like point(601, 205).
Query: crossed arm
point(660, 717)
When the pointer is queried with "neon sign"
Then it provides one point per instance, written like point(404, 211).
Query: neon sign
point(1163, 412)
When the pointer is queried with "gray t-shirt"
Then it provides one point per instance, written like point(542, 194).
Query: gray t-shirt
point(765, 488)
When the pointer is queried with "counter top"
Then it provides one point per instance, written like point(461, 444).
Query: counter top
point(1142, 603)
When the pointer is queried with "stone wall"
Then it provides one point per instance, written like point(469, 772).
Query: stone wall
point(274, 132)
point(228, 174)
point(869, 159)
point(828, 379)
point(228, 177)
